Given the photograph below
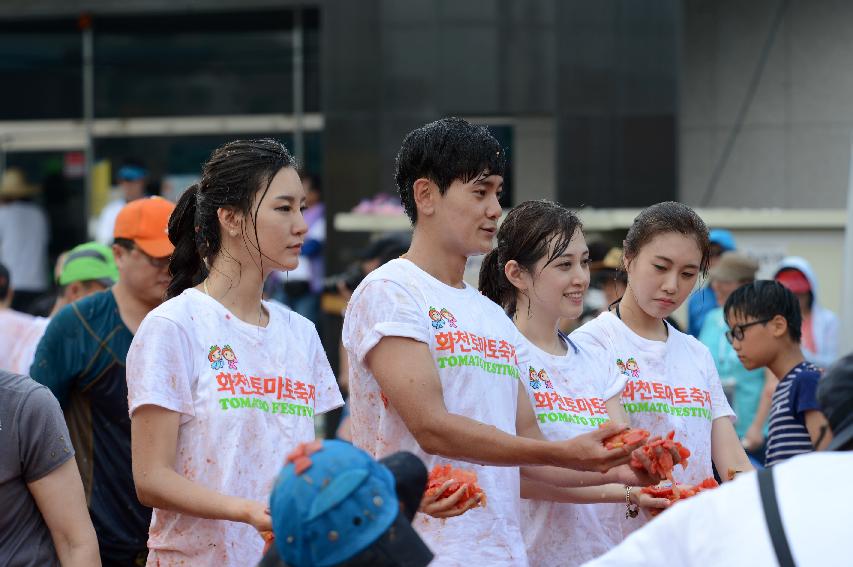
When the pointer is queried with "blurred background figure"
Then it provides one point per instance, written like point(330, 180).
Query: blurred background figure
point(302, 287)
point(743, 387)
point(13, 324)
point(610, 277)
point(132, 179)
point(703, 300)
point(85, 269)
point(23, 239)
point(820, 325)
point(380, 251)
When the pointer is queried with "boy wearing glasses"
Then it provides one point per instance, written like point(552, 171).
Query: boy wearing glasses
point(764, 321)
point(81, 358)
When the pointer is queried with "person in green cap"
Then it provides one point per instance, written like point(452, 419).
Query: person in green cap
point(85, 269)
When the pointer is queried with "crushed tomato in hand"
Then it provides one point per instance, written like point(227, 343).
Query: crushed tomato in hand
point(442, 473)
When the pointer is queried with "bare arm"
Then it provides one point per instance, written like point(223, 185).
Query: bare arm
point(154, 440)
point(817, 424)
point(406, 373)
point(754, 436)
point(60, 499)
point(526, 426)
point(616, 411)
point(608, 493)
point(726, 449)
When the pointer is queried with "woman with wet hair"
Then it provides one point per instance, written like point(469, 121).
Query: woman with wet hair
point(208, 438)
point(671, 383)
point(539, 273)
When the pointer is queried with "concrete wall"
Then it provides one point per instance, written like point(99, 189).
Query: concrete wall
point(794, 148)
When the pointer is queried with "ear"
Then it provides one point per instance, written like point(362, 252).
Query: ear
point(626, 262)
point(778, 326)
point(425, 193)
point(230, 220)
point(516, 275)
point(73, 291)
point(120, 254)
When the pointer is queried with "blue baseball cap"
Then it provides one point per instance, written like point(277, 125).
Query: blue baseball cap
point(333, 503)
point(722, 238)
point(131, 173)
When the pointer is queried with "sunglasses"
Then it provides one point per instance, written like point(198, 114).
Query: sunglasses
point(736, 332)
point(158, 263)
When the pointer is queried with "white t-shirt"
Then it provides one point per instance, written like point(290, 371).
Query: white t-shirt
point(25, 344)
point(247, 396)
point(567, 403)
point(474, 345)
point(23, 245)
point(666, 385)
point(13, 326)
point(107, 221)
point(727, 526)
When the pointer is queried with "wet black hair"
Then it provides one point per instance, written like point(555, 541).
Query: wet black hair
point(524, 236)
point(663, 218)
point(231, 178)
point(764, 299)
point(444, 151)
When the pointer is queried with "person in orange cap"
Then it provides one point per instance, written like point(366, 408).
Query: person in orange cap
point(81, 358)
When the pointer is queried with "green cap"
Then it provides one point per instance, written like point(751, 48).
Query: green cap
point(89, 261)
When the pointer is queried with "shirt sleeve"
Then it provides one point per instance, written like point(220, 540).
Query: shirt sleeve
point(805, 394)
point(719, 403)
point(594, 338)
point(43, 439)
point(381, 309)
point(58, 360)
point(328, 393)
point(159, 368)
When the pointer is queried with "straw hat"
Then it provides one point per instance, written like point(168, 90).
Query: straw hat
point(734, 267)
point(14, 185)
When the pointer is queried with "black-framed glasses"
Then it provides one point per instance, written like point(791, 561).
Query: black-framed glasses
point(736, 332)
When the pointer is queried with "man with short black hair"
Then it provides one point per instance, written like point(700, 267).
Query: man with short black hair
point(433, 363)
point(81, 358)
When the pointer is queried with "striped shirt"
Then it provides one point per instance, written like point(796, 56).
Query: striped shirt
point(794, 396)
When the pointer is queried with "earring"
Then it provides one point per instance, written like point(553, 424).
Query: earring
point(233, 233)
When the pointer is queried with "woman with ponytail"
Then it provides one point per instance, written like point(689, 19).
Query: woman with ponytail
point(658, 378)
point(539, 273)
point(208, 438)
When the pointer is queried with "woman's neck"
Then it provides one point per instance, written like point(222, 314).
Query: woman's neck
point(239, 287)
point(539, 329)
point(446, 268)
point(638, 320)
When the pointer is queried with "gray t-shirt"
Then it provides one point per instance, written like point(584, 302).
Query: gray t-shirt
point(34, 441)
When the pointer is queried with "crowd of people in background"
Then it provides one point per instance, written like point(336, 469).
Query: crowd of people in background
point(163, 411)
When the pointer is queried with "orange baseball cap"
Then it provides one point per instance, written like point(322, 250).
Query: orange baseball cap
point(146, 222)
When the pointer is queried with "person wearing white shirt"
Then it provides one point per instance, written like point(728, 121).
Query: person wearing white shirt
point(24, 234)
point(729, 526)
point(131, 179)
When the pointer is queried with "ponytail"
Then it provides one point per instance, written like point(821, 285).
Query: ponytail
point(231, 178)
point(185, 266)
point(494, 284)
